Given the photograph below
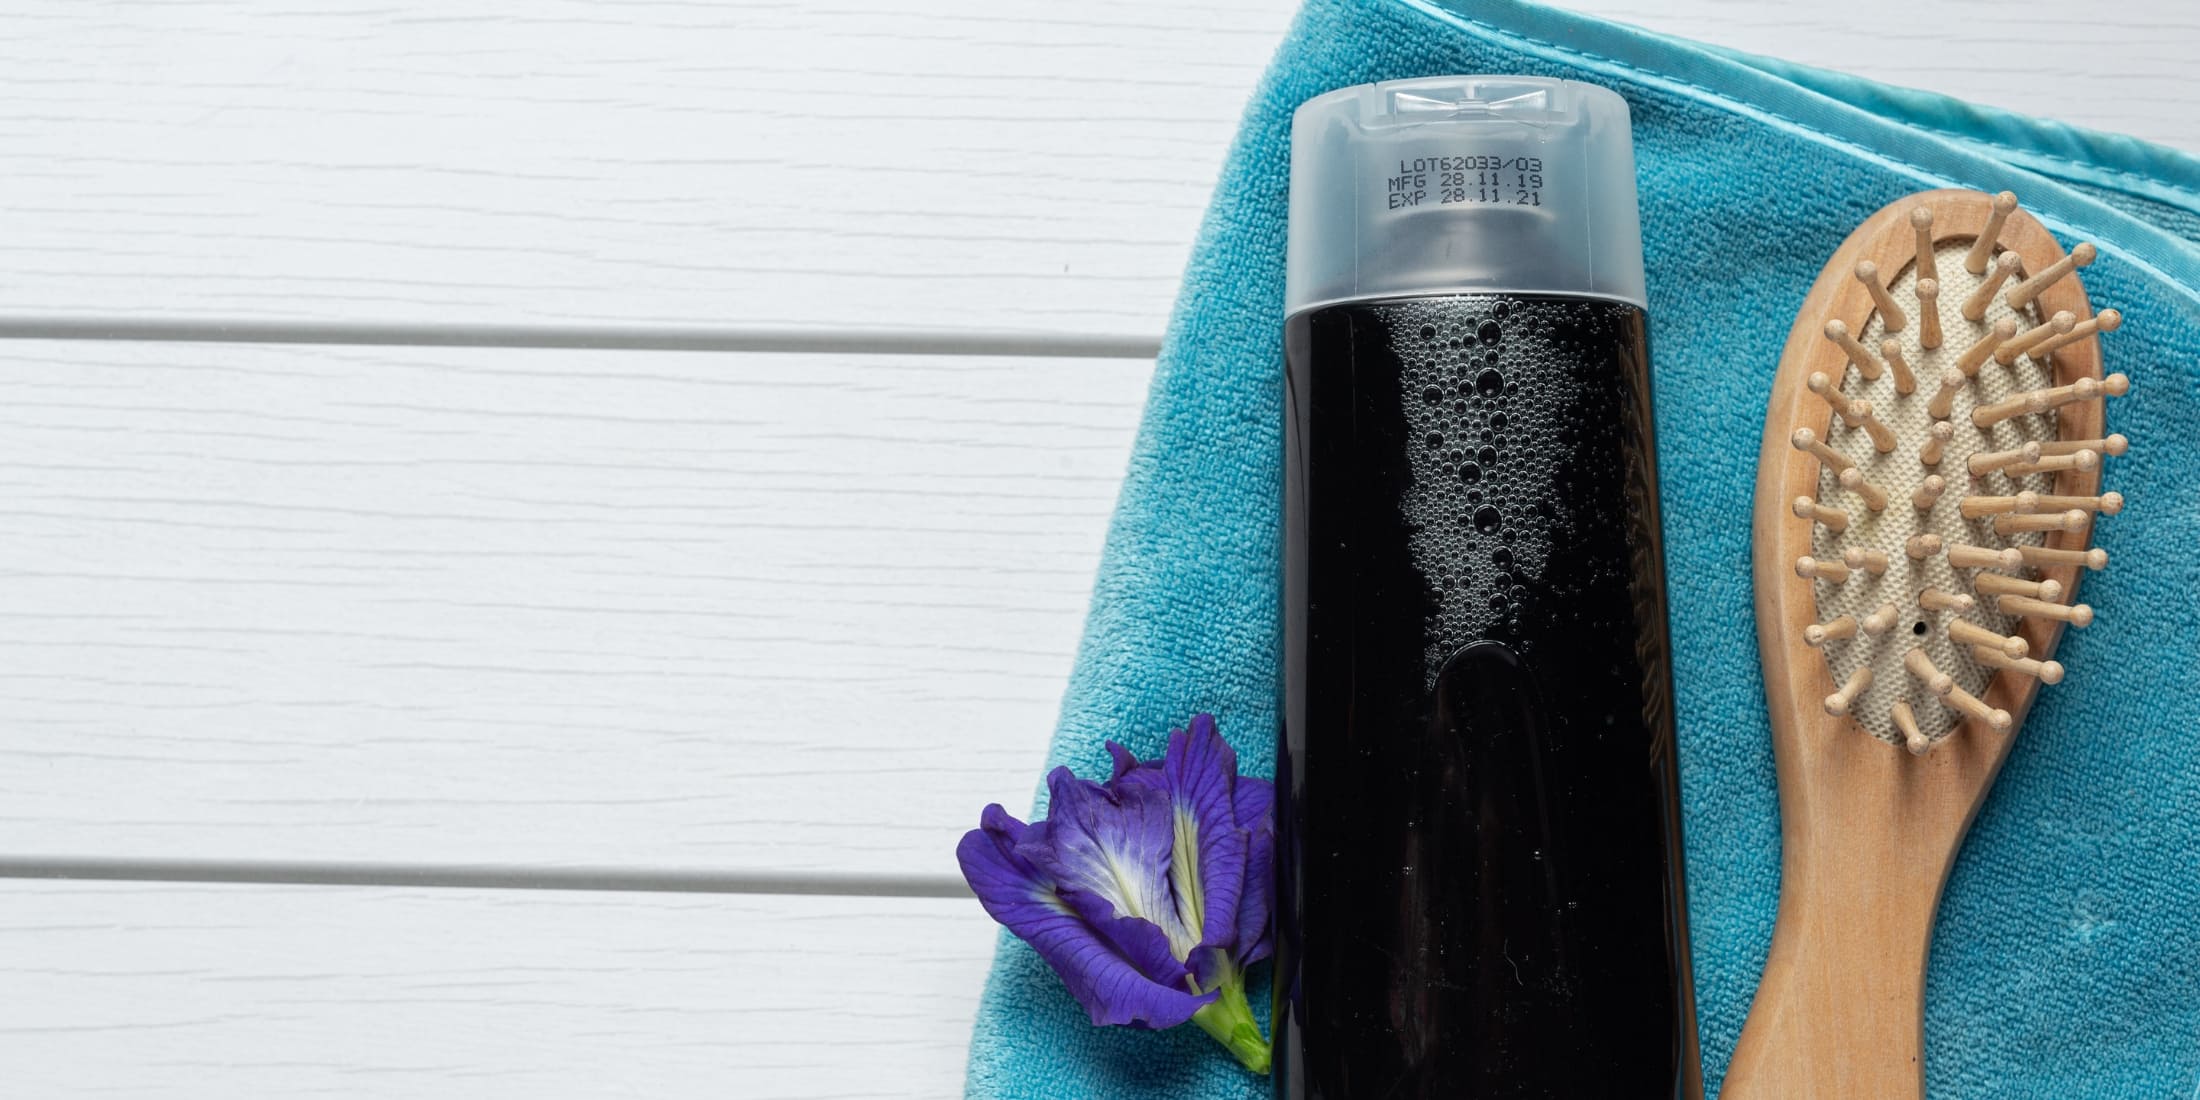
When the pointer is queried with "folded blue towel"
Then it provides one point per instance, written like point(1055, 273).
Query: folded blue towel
point(2067, 962)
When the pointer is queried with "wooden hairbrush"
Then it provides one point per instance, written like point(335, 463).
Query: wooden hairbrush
point(1928, 482)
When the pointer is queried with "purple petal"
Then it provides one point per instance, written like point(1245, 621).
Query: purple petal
point(1105, 965)
point(1113, 843)
point(1131, 771)
point(1141, 943)
point(1222, 857)
point(1124, 760)
point(1207, 871)
point(1254, 809)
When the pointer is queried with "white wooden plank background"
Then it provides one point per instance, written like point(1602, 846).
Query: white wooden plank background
point(988, 164)
point(695, 611)
point(993, 164)
point(169, 990)
point(737, 620)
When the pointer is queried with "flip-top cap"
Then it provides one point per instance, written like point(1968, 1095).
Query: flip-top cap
point(1463, 184)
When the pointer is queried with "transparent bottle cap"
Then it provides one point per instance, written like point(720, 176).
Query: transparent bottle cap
point(1463, 184)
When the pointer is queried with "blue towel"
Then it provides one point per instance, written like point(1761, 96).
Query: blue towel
point(2067, 960)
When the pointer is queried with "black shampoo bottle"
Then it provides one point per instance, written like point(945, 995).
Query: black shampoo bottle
point(1479, 885)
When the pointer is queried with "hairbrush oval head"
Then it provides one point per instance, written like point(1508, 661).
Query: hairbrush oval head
point(1942, 459)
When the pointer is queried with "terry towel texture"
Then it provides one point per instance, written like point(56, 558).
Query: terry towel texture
point(2066, 963)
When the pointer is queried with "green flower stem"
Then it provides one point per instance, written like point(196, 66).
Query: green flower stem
point(1230, 1020)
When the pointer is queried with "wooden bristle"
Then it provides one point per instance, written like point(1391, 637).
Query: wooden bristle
point(1928, 313)
point(1975, 507)
point(1921, 666)
point(1975, 356)
point(2093, 558)
point(1937, 446)
point(1803, 439)
point(2049, 672)
point(2053, 397)
point(2061, 323)
point(1881, 621)
point(1818, 634)
point(1921, 219)
point(1891, 316)
point(1982, 249)
point(1928, 492)
point(2076, 614)
point(1835, 519)
point(1873, 562)
point(1875, 498)
point(1933, 599)
point(1883, 439)
point(1994, 717)
point(1867, 364)
point(1905, 381)
point(1982, 557)
point(2108, 320)
point(1835, 572)
point(1838, 703)
point(2113, 445)
point(1982, 463)
point(2075, 460)
point(2005, 265)
point(1808, 567)
point(1920, 547)
point(1966, 632)
point(1995, 584)
point(1822, 385)
point(1943, 401)
point(2072, 520)
point(1905, 720)
point(2107, 504)
point(2021, 295)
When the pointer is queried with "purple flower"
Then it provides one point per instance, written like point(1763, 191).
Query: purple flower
point(1148, 894)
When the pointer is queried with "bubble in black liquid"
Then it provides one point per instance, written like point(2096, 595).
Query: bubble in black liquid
point(1470, 473)
point(1432, 395)
point(1428, 332)
point(1487, 456)
point(1502, 556)
point(1497, 421)
point(1489, 382)
point(1489, 333)
point(1435, 439)
point(1487, 519)
point(1501, 310)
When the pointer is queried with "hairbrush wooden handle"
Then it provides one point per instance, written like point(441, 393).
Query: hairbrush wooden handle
point(1839, 1014)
